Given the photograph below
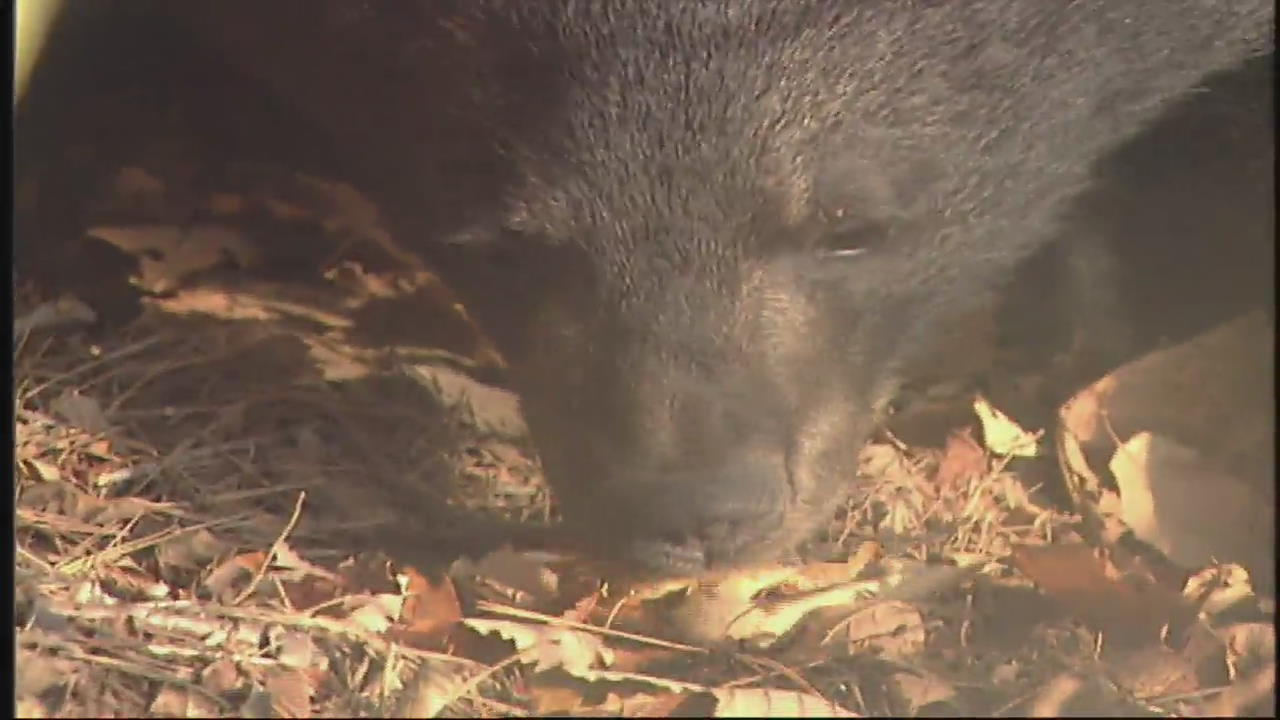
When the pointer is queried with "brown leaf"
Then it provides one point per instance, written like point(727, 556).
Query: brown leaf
point(295, 650)
point(221, 581)
point(429, 611)
point(918, 690)
point(376, 613)
point(168, 254)
point(290, 692)
point(221, 676)
point(1092, 588)
point(552, 646)
point(37, 672)
point(766, 702)
point(522, 572)
point(284, 556)
point(173, 701)
point(559, 699)
point(311, 592)
point(1002, 435)
point(895, 629)
point(436, 685)
point(962, 459)
point(1190, 510)
point(190, 549)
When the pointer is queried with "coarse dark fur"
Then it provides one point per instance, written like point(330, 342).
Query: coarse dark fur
point(758, 211)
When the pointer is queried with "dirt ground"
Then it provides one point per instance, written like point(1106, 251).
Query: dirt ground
point(249, 492)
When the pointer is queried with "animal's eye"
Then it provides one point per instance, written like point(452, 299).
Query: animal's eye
point(850, 239)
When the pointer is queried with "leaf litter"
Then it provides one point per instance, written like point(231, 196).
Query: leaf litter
point(212, 522)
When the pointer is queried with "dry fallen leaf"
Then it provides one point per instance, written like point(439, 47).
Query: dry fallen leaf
point(556, 700)
point(222, 581)
point(766, 703)
point(509, 570)
point(191, 549)
point(714, 609)
point(490, 409)
point(290, 692)
point(294, 649)
point(1193, 512)
point(1251, 695)
point(1128, 609)
point(895, 629)
point(1003, 436)
point(430, 610)
point(962, 459)
point(221, 676)
point(436, 685)
point(550, 646)
point(174, 701)
point(1250, 646)
point(917, 690)
point(377, 613)
point(182, 251)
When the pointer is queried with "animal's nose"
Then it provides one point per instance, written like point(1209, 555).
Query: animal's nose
point(693, 518)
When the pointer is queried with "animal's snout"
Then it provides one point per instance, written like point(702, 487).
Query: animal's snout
point(691, 518)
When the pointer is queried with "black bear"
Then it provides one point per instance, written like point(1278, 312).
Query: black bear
point(730, 223)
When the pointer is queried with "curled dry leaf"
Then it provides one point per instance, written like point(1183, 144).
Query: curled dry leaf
point(434, 686)
point(1156, 670)
point(1194, 513)
point(491, 410)
point(962, 459)
point(1251, 695)
point(1003, 436)
point(917, 690)
point(895, 629)
point(174, 701)
point(36, 673)
point(190, 549)
point(1207, 406)
point(765, 703)
point(509, 570)
point(1250, 646)
point(182, 251)
point(376, 613)
point(430, 609)
point(1090, 587)
point(290, 692)
point(223, 580)
point(284, 556)
point(221, 676)
point(294, 649)
point(550, 646)
point(722, 607)
point(1218, 588)
point(556, 700)
point(640, 704)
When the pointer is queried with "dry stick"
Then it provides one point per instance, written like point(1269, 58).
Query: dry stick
point(778, 668)
point(275, 548)
point(74, 567)
point(109, 357)
point(552, 620)
point(75, 651)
